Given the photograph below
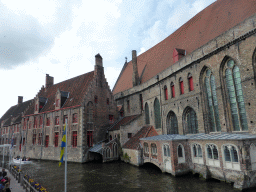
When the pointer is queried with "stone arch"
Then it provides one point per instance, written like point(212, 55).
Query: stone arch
point(232, 92)
point(172, 123)
point(209, 100)
point(157, 113)
point(189, 121)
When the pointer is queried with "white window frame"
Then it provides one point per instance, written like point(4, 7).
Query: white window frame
point(231, 164)
point(181, 159)
point(197, 159)
point(167, 147)
point(153, 149)
point(211, 161)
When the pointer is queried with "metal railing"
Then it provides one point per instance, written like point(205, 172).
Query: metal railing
point(19, 176)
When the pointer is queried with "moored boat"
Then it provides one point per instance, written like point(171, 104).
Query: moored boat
point(19, 161)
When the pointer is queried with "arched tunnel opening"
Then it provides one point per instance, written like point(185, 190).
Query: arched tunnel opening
point(151, 167)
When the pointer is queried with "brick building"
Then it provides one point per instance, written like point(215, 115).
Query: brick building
point(199, 81)
point(85, 101)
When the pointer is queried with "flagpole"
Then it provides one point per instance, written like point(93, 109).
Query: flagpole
point(66, 155)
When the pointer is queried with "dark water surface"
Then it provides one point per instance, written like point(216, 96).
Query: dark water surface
point(117, 176)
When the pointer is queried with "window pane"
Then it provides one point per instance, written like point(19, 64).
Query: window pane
point(232, 99)
point(215, 153)
point(180, 153)
point(227, 154)
point(209, 152)
point(240, 98)
point(199, 151)
point(234, 154)
point(147, 114)
point(157, 113)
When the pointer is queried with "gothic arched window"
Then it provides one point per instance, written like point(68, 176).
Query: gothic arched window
point(190, 118)
point(157, 113)
point(212, 101)
point(235, 94)
point(172, 123)
point(147, 114)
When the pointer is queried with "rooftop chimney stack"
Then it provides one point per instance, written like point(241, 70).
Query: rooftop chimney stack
point(20, 99)
point(48, 81)
point(98, 60)
point(135, 74)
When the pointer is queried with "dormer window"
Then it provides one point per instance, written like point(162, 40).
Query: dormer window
point(64, 96)
point(42, 102)
point(178, 54)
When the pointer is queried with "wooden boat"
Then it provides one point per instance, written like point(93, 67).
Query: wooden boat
point(19, 161)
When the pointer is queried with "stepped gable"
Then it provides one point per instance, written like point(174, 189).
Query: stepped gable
point(145, 131)
point(76, 87)
point(203, 27)
point(122, 121)
point(15, 112)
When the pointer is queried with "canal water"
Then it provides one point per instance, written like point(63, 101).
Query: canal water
point(117, 177)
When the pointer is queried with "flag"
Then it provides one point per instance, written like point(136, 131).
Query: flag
point(63, 145)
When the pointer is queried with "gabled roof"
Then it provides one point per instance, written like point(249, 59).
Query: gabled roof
point(146, 131)
point(203, 27)
point(75, 88)
point(122, 121)
point(15, 112)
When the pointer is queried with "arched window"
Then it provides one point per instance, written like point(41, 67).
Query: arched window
point(172, 123)
point(147, 120)
point(197, 156)
point(165, 92)
point(190, 82)
point(115, 153)
point(146, 149)
point(157, 113)
point(231, 160)
point(181, 86)
point(190, 118)
point(212, 101)
point(235, 94)
point(166, 150)
point(172, 90)
point(108, 152)
point(212, 155)
point(153, 149)
point(181, 154)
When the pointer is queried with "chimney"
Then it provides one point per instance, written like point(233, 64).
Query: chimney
point(20, 99)
point(98, 60)
point(135, 74)
point(98, 70)
point(48, 81)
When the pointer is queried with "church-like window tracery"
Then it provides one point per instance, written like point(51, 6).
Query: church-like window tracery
point(172, 123)
point(236, 98)
point(212, 103)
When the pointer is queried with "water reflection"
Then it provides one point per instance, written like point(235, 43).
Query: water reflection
point(117, 176)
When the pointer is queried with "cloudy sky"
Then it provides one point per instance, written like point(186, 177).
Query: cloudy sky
point(61, 38)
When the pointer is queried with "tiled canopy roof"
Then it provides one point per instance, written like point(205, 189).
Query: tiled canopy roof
point(146, 131)
point(15, 112)
point(76, 87)
point(122, 121)
point(203, 27)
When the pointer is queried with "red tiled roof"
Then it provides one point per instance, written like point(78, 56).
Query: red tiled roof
point(122, 121)
point(76, 87)
point(203, 27)
point(146, 131)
